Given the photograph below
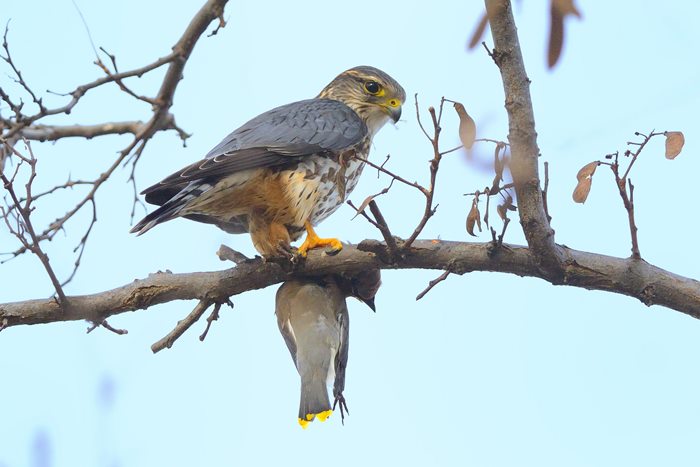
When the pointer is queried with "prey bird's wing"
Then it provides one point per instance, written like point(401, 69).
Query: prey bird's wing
point(274, 138)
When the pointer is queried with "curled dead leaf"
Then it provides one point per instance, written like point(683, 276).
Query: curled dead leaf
point(566, 7)
point(502, 211)
point(478, 32)
point(587, 170)
point(674, 143)
point(559, 9)
point(582, 189)
point(467, 127)
point(474, 218)
point(369, 199)
point(363, 205)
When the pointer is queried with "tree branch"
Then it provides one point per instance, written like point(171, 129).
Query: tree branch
point(635, 278)
point(522, 137)
point(56, 132)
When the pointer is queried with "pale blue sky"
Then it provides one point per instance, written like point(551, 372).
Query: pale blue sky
point(486, 370)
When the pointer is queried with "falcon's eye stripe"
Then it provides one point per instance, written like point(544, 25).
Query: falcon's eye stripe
point(372, 87)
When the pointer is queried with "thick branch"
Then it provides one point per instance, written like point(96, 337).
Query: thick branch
point(56, 132)
point(212, 10)
point(522, 136)
point(636, 278)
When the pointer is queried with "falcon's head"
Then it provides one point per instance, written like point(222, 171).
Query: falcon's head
point(374, 95)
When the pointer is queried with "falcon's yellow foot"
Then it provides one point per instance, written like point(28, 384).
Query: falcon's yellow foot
point(314, 241)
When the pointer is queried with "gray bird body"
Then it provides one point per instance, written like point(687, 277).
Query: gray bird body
point(312, 316)
point(313, 319)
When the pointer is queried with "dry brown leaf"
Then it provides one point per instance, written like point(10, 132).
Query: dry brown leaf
point(674, 143)
point(587, 170)
point(474, 218)
point(559, 9)
point(363, 205)
point(369, 199)
point(582, 189)
point(478, 32)
point(467, 127)
point(502, 212)
point(566, 7)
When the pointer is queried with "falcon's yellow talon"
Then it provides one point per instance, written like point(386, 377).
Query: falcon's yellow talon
point(312, 241)
point(304, 424)
point(324, 415)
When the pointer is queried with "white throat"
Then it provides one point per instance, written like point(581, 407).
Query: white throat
point(375, 122)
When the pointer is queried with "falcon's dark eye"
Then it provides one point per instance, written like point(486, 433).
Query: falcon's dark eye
point(372, 87)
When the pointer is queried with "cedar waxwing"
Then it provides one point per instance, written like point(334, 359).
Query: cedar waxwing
point(313, 318)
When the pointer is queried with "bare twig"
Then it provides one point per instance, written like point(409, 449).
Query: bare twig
point(544, 192)
point(212, 317)
point(226, 253)
point(119, 81)
point(633, 226)
point(27, 125)
point(20, 79)
point(384, 229)
point(432, 284)
point(429, 209)
point(370, 198)
point(497, 242)
point(56, 132)
point(24, 211)
point(623, 181)
point(380, 168)
point(641, 145)
point(182, 326)
point(107, 326)
point(361, 212)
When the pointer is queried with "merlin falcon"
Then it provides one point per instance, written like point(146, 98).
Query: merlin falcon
point(285, 170)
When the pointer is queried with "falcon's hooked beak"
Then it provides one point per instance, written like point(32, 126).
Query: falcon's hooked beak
point(393, 108)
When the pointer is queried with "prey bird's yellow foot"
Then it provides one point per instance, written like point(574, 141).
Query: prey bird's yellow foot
point(313, 241)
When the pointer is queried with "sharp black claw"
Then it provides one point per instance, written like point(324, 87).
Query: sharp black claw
point(340, 402)
point(333, 251)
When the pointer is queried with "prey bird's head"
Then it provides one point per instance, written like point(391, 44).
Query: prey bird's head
point(375, 96)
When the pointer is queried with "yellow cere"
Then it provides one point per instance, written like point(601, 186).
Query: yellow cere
point(393, 103)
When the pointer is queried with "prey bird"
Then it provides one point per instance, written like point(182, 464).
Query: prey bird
point(285, 170)
point(312, 316)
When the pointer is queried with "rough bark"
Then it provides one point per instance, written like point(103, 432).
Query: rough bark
point(522, 136)
point(648, 283)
